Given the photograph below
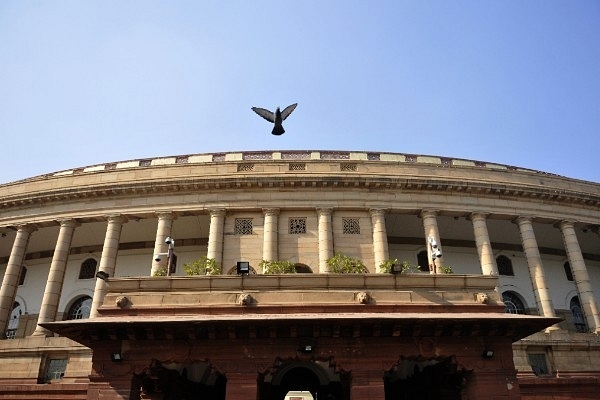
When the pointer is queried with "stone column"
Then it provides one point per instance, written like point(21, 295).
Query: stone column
point(536, 269)
point(163, 230)
point(380, 243)
point(51, 299)
point(215, 236)
point(581, 276)
point(431, 232)
point(108, 260)
point(10, 283)
point(270, 242)
point(325, 238)
point(484, 246)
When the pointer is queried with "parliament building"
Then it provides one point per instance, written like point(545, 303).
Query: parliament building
point(272, 275)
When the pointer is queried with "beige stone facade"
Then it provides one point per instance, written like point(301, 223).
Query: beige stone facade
point(535, 235)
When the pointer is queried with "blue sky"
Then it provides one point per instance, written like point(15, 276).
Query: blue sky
point(510, 82)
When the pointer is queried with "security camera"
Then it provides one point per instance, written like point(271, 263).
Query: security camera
point(157, 257)
point(437, 253)
point(169, 240)
point(433, 243)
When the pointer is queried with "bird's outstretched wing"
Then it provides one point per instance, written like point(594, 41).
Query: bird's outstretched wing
point(266, 114)
point(288, 110)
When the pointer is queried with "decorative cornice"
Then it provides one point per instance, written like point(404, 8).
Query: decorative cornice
point(382, 176)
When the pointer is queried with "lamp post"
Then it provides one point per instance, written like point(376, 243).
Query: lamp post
point(171, 256)
point(435, 252)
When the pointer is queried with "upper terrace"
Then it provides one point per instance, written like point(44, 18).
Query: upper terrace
point(289, 155)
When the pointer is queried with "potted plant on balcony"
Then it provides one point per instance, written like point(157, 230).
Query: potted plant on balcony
point(395, 267)
point(446, 269)
point(343, 264)
point(277, 267)
point(389, 266)
point(202, 266)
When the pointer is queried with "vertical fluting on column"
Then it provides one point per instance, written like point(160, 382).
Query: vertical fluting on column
point(380, 243)
point(270, 242)
point(108, 259)
point(10, 282)
point(536, 268)
point(163, 230)
point(51, 299)
point(581, 276)
point(431, 233)
point(325, 238)
point(215, 236)
point(483, 243)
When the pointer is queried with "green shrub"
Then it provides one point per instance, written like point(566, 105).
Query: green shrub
point(387, 266)
point(446, 269)
point(410, 269)
point(202, 266)
point(343, 264)
point(160, 272)
point(277, 267)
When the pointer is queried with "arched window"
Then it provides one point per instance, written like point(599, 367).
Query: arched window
point(81, 308)
point(578, 317)
point(505, 266)
point(512, 303)
point(423, 260)
point(13, 323)
point(568, 272)
point(302, 269)
point(88, 269)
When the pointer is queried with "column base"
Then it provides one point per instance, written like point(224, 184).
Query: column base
point(39, 331)
point(552, 328)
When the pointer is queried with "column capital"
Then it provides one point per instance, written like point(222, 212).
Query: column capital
point(116, 218)
point(378, 211)
point(69, 223)
point(324, 210)
point(521, 219)
point(479, 215)
point(217, 212)
point(169, 215)
point(28, 228)
point(428, 213)
point(271, 211)
point(566, 223)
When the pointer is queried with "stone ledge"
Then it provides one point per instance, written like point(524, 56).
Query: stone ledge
point(307, 282)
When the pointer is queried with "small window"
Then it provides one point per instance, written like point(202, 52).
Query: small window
point(512, 303)
point(568, 272)
point(297, 226)
point(22, 275)
point(505, 266)
point(539, 364)
point(81, 308)
point(246, 167)
point(297, 166)
point(349, 167)
point(55, 369)
point(578, 317)
point(423, 261)
point(351, 226)
point(88, 269)
point(243, 226)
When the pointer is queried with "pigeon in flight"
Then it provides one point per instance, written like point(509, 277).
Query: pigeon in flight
point(276, 117)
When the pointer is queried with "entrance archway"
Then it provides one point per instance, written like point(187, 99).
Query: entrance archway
point(177, 381)
point(425, 379)
point(320, 378)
